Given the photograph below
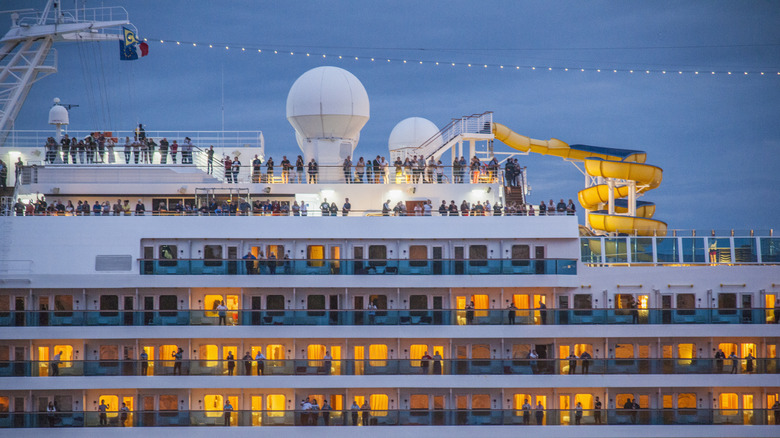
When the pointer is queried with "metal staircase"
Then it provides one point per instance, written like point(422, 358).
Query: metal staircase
point(475, 126)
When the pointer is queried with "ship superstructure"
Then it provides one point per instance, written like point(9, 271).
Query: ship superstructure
point(223, 302)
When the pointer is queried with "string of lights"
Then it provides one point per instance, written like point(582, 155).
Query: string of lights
point(525, 67)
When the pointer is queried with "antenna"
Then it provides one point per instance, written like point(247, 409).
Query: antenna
point(25, 50)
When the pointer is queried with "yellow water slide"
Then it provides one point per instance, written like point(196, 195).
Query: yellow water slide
point(610, 163)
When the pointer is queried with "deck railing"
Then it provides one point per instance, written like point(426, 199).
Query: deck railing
point(386, 317)
point(690, 418)
point(384, 366)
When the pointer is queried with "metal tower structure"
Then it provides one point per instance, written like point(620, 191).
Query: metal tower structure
point(26, 54)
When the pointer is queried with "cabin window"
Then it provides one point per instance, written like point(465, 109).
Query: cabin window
point(66, 355)
point(377, 255)
point(167, 255)
point(4, 404)
point(276, 250)
point(314, 255)
point(418, 255)
point(418, 402)
point(5, 304)
point(377, 354)
point(520, 255)
point(582, 301)
point(212, 255)
point(727, 302)
point(380, 301)
point(686, 301)
point(315, 353)
point(418, 302)
point(276, 402)
point(478, 255)
point(169, 402)
point(63, 303)
point(728, 400)
point(168, 302)
point(274, 302)
point(686, 401)
point(480, 401)
point(109, 302)
point(274, 352)
point(112, 402)
point(624, 351)
point(316, 302)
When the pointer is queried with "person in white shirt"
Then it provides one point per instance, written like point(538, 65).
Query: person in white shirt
point(260, 359)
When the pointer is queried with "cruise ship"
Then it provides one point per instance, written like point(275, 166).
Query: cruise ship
point(162, 293)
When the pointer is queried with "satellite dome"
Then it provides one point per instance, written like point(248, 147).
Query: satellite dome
point(327, 103)
point(409, 134)
point(58, 115)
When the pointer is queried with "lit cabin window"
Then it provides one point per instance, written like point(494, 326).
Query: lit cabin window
point(418, 255)
point(213, 403)
point(167, 255)
point(377, 354)
point(416, 352)
point(686, 401)
point(166, 354)
point(67, 355)
point(274, 352)
point(585, 399)
point(4, 404)
point(276, 250)
point(519, 400)
point(728, 401)
point(315, 353)
point(212, 255)
point(314, 255)
point(112, 402)
point(276, 404)
point(378, 403)
point(477, 255)
point(520, 255)
point(209, 354)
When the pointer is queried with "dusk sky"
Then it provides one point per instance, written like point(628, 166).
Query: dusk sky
point(717, 137)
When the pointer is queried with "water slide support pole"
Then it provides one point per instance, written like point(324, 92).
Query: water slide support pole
point(611, 185)
point(632, 198)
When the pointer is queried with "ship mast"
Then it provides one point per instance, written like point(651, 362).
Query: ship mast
point(26, 54)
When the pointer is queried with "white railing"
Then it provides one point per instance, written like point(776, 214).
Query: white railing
point(473, 124)
point(202, 139)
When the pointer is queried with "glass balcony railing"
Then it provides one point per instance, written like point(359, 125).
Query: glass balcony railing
point(388, 317)
point(384, 366)
point(358, 267)
point(392, 417)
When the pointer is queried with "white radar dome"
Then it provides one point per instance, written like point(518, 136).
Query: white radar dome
point(327, 103)
point(58, 115)
point(409, 134)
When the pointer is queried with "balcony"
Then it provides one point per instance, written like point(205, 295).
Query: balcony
point(384, 366)
point(392, 417)
point(386, 317)
point(358, 267)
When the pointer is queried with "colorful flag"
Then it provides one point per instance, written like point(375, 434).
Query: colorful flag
point(130, 48)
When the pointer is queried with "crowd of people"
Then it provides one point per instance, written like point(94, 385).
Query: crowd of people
point(101, 147)
point(243, 207)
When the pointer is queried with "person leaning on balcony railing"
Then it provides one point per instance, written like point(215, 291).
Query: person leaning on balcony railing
point(235, 168)
point(269, 170)
point(174, 151)
point(164, 152)
point(313, 169)
point(299, 169)
point(286, 166)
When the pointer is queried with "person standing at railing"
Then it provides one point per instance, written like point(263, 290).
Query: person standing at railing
point(384, 165)
point(174, 151)
point(73, 149)
point(127, 150)
point(430, 170)
point(269, 170)
point(260, 359)
point(346, 166)
point(299, 169)
point(177, 356)
point(164, 151)
point(776, 411)
point(228, 409)
point(102, 413)
point(236, 168)
point(360, 170)
point(65, 147)
point(346, 208)
point(597, 411)
point(136, 151)
point(123, 413)
point(475, 169)
point(231, 363)
point(286, 166)
point(376, 167)
point(55, 364)
point(143, 359)
point(144, 146)
point(539, 413)
point(101, 148)
point(312, 168)
point(110, 143)
point(186, 151)
point(150, 145)
point(227, 164)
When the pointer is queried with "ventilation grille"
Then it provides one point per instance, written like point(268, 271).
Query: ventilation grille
point(113, 263)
